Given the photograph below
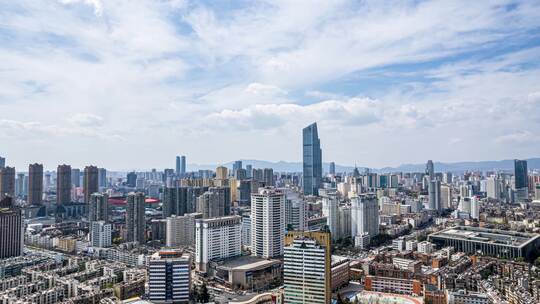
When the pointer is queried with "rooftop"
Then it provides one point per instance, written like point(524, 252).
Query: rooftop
point(246, 262)
point(503, 237)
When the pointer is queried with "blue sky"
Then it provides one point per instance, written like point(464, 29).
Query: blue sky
point(130, 84)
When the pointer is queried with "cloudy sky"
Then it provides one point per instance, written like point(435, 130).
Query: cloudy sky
point(130, 84)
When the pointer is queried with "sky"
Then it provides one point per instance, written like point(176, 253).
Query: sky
point(130, 84)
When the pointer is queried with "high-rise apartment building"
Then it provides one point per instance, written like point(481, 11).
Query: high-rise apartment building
point(35, 184)
point(100, 234)
point(181, 165)
point(332, 168)
point(296, 212)
point(20, 188)
point(475, 208)
point(493, 187)
point(237, 165)
point(90, 182)
point(312, 160)
point(521, 179)
point(169, 277)
point(180, 230)
point(307, 267)
point(446, 196)
point(135, 220)
point(175, 201)
point(7, 182)
point(11, 229)
point(249, 168)
point(63, 185)
point(267, 222)
point(98, 208)
point(217, 238)
point(364, 216)
point(222, 173)
point(131, 179)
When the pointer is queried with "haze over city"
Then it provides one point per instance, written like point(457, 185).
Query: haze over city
point(128, 84)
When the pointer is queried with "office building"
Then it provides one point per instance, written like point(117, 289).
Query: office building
point(312, 160)
point(90, 182)
point(364, 217)
point(521, 179)
point(257, 175)
point(222, 173)
point(76, 177)
point(2, 162)
point(249, 169)
point(7, 182)
point(63, 185)
point(216, 239)
point(135, 220)
point(35, 184)
point(268, 177)
point(332, 168)
point(181, 165)
point(491, 242)
point(180, 230)
point(102, 178)
point(243, 192)
point(11, 229)
point(493, 188)
point(430, 170)
point(100, 234)
point(98, 208)
point(131, 179)
point(435, 195)
point(446, 197)
point(237, 165)
point(267, 222)
point(307, 267)
point(169, 277)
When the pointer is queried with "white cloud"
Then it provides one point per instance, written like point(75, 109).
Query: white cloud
point(86, 120)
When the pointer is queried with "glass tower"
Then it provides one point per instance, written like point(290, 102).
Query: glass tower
point(312, 159)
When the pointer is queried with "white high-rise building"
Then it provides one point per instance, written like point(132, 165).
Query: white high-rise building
point(295, 211)
point(100, 234)
point(217, 238)
point(169, 277)
point(364, 215)
point(180, 230)
point(330, 209)
point(446, 197)
point(465, 205)
point(267, 222)
point(493, 188)
point(475, 208)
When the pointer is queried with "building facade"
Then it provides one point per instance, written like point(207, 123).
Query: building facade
point(312, 160)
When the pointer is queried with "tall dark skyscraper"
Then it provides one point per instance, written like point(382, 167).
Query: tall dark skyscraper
point(2, 162)
point(91, 182)
point(11, 229)
point(135, 220)
point(63, 184)
point(268, 177)
point(312, 160)
point(521, 179)
point(7, 182)
point(237, 165)
point(35, 184)
point(430, 169)
point(332, 168)
point(132, 179)
point(98, 210)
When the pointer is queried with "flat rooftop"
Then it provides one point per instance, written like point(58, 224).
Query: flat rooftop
point(247, 262)
point(492, 236)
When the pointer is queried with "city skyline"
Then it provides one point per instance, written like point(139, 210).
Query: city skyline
point(85, 81)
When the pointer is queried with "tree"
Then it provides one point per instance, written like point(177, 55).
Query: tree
point(202, 295)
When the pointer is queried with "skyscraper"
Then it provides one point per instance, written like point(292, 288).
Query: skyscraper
point(180, 230)
point(332, 168)
point(521, 179)
point(11, 229)
point(181, 165)
point(215, 202)
point(221, 172)
point(90, 182)
point(7, 182)
point(102, 177)
point(135, 220)
point(307, 267)
point(296, 211)
point(131, 179)
point(268, 177)
point(330, 206)
point(312, 160)
point(76, 177)
point(364, 216)
point(237, 165)
point(248, 170)
point(435, 195)
point(175, 201)
point(217, 238)
point(2, 162)
point(63, 184)
point(430, 169)
point(267, 223)
point(98, 208)
point(35, 184)
point(169, 277)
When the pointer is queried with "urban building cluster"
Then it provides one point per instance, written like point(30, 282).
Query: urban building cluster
point(240, 234)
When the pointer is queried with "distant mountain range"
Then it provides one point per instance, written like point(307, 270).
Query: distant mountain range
point(283, 166)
